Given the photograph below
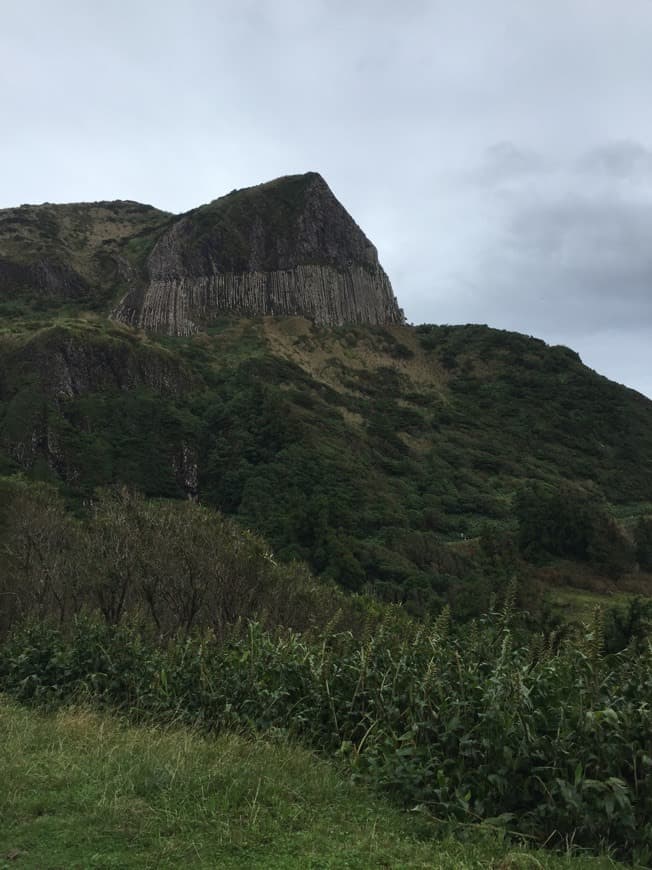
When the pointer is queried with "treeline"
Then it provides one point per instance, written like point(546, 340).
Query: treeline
point(173, 565)
point(179, 566)
point(575, 523)
point(368, 477)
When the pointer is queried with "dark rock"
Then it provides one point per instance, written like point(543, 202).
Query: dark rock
point(283, 248)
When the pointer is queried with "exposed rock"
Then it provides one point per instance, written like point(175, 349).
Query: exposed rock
point(67, 365)
point(46, 276)
point(324, 294)
point(186, 469)
point(287, 248)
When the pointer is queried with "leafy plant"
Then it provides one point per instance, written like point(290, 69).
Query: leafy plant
point(470, 725)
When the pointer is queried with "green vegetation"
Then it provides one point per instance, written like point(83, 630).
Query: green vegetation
point(72, 256)
point(179, 566)
point(471, 727)
point(374, 454)
point(643, 543)
point(166, 612)
point(222, 229)
point(574, 523)
point(380, 457)
point(341, 538)
point(88, 790)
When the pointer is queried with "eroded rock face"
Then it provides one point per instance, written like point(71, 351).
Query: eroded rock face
point(42, 378)
point(67, 366)
point(46, 276)
point(285, 248)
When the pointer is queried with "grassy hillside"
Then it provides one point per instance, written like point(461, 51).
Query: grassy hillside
point(182, 519)
point(374, 454)
point(87, 791)
point(75, 257)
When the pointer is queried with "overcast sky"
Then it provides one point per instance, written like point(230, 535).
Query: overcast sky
point(497, 152)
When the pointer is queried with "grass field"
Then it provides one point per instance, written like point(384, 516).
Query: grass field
point(83, 790)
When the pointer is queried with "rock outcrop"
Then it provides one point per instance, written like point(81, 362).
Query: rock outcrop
point(62, 390)
point(287, 247)
point(66, 365)
point(283, 248)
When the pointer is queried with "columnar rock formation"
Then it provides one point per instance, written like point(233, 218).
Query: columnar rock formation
point(287, 247)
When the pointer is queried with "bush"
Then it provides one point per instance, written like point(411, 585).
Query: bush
point(571, 522)
point(177, 566)
point(471, 727)
point(643, 542)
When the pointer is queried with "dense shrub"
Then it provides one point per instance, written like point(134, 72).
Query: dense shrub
point(628, 623)
point(187, 566)
point(175, 565)
point(643, 541)
point(324, 466)
point(472, 727)
point(574, 523)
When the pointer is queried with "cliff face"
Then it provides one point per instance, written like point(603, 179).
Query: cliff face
point(65, 364)
point(78, 401)
point(287, 248)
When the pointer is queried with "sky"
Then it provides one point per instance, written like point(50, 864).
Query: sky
point(497, 152)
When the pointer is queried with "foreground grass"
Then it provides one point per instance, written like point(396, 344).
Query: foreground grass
point(84, 790)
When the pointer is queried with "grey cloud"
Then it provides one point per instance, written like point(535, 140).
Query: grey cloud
point(566, 255)
point(602, 238)
point(505, 162)
point(578, 263)
point(620, 160)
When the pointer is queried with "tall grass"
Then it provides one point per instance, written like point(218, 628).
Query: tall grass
point(555, 744)
point(82, 789)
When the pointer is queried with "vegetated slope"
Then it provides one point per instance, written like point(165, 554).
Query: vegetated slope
point(78, 255)
point(362, 450)
point(167, 612)
point(60, 388)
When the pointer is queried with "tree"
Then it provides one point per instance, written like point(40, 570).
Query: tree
point(643, 543)
point(573, 523)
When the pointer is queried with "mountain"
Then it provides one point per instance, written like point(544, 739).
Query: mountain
point(200, 413)
point(376, 451)
point(287, 247)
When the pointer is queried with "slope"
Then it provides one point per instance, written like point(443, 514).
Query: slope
point(364, 450)
point(89, 791)
point(76, 255)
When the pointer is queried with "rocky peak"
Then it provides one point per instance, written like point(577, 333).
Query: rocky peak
point(286, 247)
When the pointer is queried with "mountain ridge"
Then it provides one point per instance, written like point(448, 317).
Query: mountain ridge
point(372, 450)
point(282, 247)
